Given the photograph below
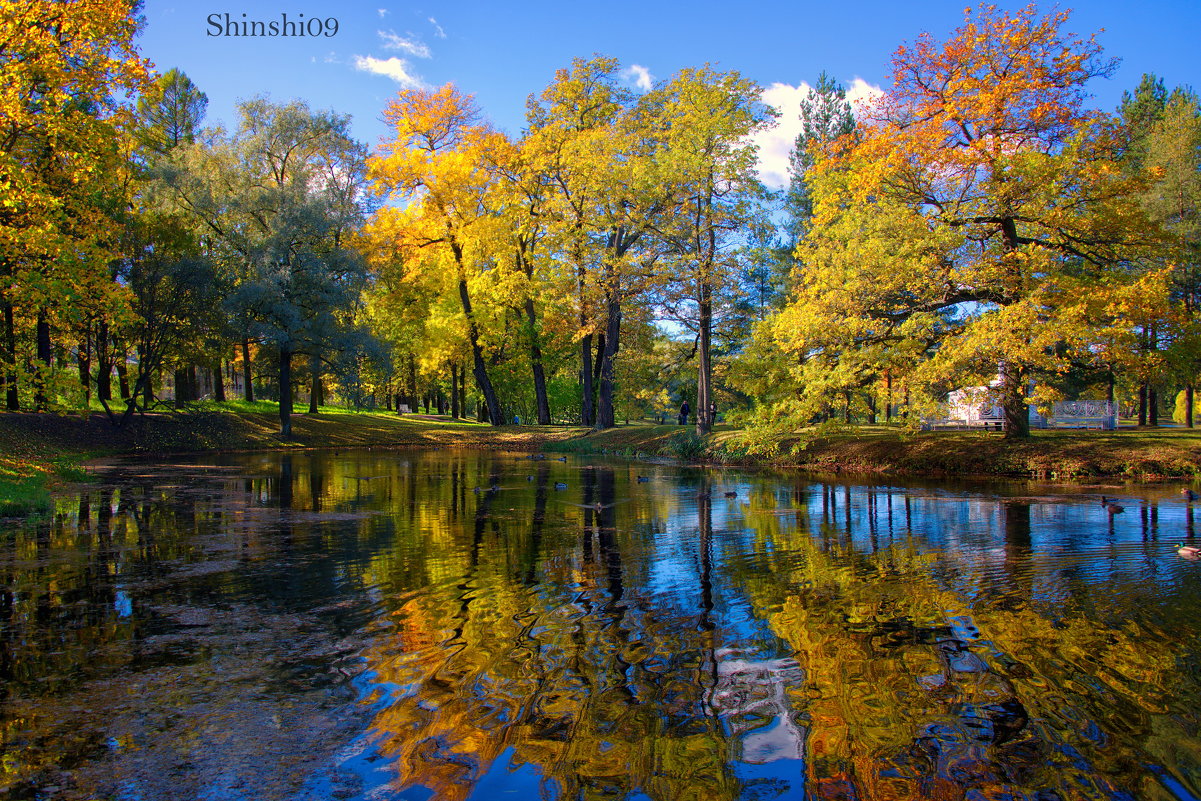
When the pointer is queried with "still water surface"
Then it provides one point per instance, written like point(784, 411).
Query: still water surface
point(455, 625)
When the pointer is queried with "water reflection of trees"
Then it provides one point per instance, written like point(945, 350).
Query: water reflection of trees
point(616, 638)
point(578, 673)
point(931, 677)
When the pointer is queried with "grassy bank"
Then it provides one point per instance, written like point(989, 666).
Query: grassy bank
point(1059, 454)
point(37, 449)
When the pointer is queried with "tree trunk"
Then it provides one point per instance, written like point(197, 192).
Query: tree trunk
point(12, 397)
point(536, 365)
point(1013, 402)
point(587, 409)
point(247, 377)
point(45, 358)
point(463, 390)
point(605, 413)
point(1013, 391)
point(411, 400)
point(598, 359)
point(888, 397)
point(285, 392)
point(218, 382)
point(704, 374)
point(104, 363)
point(122, 376)
point(181, 387)
point(480, 369)
point(455, 409)
point(1142, 404)
point(85, 366)
point(314, 384)
point(147, 371)
point(1152, 406)
point(1188, 405)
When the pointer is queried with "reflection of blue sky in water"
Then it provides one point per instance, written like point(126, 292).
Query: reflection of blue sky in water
point(753, 666)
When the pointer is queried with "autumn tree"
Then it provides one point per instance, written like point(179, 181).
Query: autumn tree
point(964, 233)
point(436, 164)
point(68, 71)
point(175, 312)
point(707, 158)
point(576, 140)
point(523, 198)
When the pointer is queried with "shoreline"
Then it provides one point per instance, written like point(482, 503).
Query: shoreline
point(37, 450)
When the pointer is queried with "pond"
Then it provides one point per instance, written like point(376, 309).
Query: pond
point(469, 625)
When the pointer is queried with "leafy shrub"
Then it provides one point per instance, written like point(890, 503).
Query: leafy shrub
point(687, 444)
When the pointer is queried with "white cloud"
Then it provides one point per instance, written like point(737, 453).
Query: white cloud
point(395, 68)
point(383, 12)
point(639, 76)
point(441, 34)
point(775, 145)
point(412, 46)
point(861, 94)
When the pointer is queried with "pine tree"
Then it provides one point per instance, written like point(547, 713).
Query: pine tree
point(825, 117)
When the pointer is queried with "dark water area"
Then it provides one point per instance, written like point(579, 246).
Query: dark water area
point(460, 625)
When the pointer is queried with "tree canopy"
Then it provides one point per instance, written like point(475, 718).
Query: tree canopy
point(976, 227)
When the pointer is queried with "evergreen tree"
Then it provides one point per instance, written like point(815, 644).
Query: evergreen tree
point(825, 116)
point(171, 112)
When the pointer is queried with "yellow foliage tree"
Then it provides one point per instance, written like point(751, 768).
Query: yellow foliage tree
point(437, 166)
point(67, 72)
point(960, 236)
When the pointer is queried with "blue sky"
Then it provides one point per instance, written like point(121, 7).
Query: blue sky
point(502, 52)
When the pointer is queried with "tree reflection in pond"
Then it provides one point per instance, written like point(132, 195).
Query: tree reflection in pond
point(451, 625)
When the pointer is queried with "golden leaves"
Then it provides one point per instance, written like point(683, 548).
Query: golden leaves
point(969, 223)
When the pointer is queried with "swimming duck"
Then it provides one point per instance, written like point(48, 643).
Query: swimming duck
point(1188, 551)
point(1111, 507)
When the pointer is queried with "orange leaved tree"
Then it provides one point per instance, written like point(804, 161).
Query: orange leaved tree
point(970, 232)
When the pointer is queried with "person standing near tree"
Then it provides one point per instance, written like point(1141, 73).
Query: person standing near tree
point(685, 410)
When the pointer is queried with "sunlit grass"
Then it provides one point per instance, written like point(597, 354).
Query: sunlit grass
point(25, 483)
point(24, 497)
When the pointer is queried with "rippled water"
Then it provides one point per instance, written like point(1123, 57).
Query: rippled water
point(454, 625)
